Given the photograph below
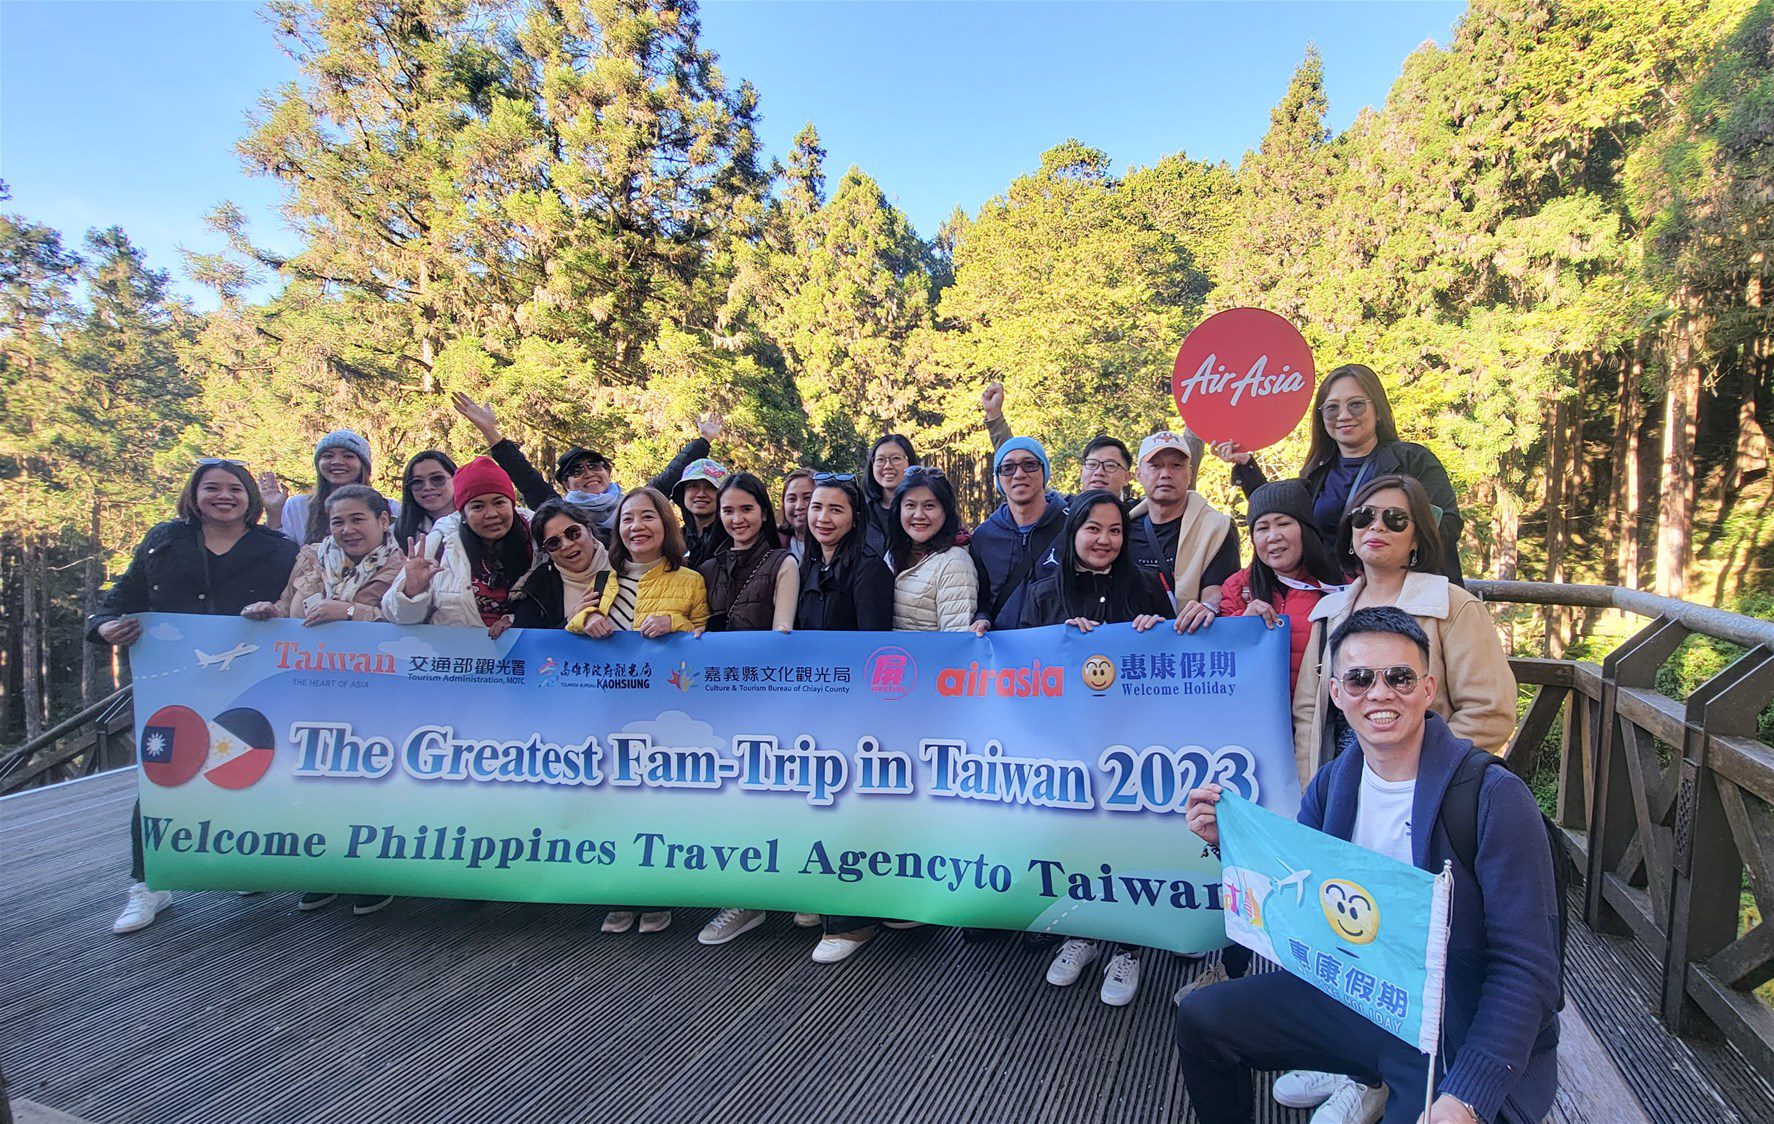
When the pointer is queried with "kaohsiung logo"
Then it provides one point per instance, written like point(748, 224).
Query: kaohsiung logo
point(232, 751)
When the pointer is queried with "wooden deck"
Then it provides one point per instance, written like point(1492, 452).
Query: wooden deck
point(236, 1010)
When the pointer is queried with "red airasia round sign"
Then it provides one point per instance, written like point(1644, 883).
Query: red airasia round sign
point(1244, 375)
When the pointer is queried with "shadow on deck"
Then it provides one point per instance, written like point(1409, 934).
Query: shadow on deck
point(239, 1010)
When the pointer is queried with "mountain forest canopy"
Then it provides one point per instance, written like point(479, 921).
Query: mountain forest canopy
point(1552, 241)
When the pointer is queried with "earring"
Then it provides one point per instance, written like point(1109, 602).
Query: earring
point(1413, 560)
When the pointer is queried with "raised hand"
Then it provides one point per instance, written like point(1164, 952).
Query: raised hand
point(1230, 452)
point(1201, 815)
point(992, 400)
point(480, 415)
point(419, 569)
point(709, 425)
point(271, 491)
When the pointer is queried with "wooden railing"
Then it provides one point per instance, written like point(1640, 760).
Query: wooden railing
point(102, 736)
point(1665, 803)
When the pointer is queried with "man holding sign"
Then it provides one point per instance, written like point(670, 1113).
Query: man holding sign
point(1399, 798)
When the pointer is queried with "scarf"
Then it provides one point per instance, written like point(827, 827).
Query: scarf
point(340, 577)
point(601, 505)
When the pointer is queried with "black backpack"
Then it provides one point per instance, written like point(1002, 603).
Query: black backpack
point(1459, 817)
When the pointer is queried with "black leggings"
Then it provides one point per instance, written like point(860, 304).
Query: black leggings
point(136, 872)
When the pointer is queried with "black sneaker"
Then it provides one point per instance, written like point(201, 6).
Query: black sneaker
point(370, 903)
point(314, 900)
point(1035, 942)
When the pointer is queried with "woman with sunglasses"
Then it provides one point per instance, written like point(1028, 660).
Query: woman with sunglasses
point(797, 489)
point(1389, 538)
point(1290, 569)
point(845, 587)
point(1097, 583)
point(1354, 441)
point(341, 457)
point(571, 570)
point(888, 459)
point(935, 585)
point(753, 581)
point(215, 558)
point(425, 494)
point(653, 592)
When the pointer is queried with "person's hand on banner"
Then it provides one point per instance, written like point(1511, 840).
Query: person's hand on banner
point(1231, 452)
point(1447, 1110)
point(1082, 624)
point(1265, 610)
point(122, 632)
point(416, 575)
point(257, 611)
point(981, 627)
point(326, 612)
point(655, 626)
point(598, 627)
point(1201, 815)
point(1194, 615)
point(498, 627)
point(1146, 621)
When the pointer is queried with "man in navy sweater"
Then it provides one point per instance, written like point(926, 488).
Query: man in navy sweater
point(1500, 1025)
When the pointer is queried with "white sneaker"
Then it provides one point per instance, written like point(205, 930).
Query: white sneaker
point(730, 923)
point(1305, 1088)
point(655, 921)
point(618, 921)
point(141, 908)
point(1121, 979)
point(832, 949)
point(1352, 1103)
point(1069, 963)
point(1212, 974)
point(809, 920)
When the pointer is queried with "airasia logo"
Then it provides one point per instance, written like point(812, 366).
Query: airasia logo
point(1244, 375)
point(1033, 681)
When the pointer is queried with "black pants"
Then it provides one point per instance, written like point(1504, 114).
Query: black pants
point(832, 924)
point(1277, 1022)
point(137, 873)
point(1235, 959)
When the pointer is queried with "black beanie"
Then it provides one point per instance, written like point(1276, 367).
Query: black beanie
point(1282, 497)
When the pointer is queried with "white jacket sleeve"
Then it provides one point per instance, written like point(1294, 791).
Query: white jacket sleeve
point(957, 591)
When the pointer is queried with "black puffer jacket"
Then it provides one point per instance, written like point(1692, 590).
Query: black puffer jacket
point(173, 572)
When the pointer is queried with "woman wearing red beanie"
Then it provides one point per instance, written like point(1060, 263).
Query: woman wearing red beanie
point(463, 572)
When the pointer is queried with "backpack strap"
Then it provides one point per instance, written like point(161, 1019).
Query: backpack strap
point(1459, 805)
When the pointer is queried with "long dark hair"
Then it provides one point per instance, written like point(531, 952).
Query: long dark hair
point(1129, 587)
point(769, 536)
point(187, 507)
point(1425, 524)
point(406, 528)
point(671, 547)
point(851, 545)
point(900, 546)
point(787, 532)
point(317, 528)
point(871, 490)
point(503, 561)
point(553, 507)
point(1315, 558)
point(1323, 449)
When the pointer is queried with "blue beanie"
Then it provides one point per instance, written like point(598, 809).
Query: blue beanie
point(349, 441)
point(1027, 445)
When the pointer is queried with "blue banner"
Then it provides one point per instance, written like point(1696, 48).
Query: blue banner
point(1362, 927)
point(1027, 780)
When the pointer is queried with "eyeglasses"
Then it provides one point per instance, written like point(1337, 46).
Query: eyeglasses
point(1400, 678)
point(572, 534)
point(1354, 407)
point(1009, 469)
point(1095, 465)
point(925, 471)
point(833, 477)
point(435, 480)
point(1394, 519)
point(211, 462)
point(884, 459)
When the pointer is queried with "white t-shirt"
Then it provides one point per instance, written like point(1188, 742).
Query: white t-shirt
point(1383, 815)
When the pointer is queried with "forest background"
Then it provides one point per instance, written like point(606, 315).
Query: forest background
point(1551, 241)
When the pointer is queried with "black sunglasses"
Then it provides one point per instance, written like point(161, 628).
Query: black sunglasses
point(1394, 519)
point(833, 477)
point(572, 534)
point(1361, 679)
point(925, 470)
point(211, 462)
point(1010, 468)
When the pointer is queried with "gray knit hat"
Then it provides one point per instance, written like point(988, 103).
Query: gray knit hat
point(349, 441)
point(1281, 497)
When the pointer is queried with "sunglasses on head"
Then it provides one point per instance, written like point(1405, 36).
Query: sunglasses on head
point(211, 462)
point(926, 471)
point(1392, 518)
point(833, 477)
point(1400, 678)
point(571, 535)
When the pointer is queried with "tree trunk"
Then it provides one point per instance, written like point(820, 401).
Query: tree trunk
point(1506, 530)
point(1681, 406)
point(31, 640)
point(89, 603)
point(1629, 420)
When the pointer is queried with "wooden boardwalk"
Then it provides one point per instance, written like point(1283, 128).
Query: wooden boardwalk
point(236, 1010)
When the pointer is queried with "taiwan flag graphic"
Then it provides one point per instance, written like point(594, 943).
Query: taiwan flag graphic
point(240, 748)
point(175, 745)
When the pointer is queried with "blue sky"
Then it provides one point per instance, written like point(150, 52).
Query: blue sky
point(127, 112)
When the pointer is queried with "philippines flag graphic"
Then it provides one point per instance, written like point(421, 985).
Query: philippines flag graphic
point(240, 748)
point(175, 744)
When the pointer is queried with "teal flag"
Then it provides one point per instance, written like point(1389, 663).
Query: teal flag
point(1365, 929)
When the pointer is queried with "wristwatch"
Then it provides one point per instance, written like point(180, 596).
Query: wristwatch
point(351, 612)
point(1470, 1111)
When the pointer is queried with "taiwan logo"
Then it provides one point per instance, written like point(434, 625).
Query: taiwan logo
point(892, 672)
point(233, 751)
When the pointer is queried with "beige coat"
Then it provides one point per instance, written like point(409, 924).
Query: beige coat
point(939, 594)
point(1474, 688)
point(307, 582)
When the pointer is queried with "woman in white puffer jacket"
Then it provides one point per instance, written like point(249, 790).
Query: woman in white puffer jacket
point(935, 585)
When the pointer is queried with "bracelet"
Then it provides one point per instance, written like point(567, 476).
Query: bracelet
point(1470, 1111)
point(351, 612)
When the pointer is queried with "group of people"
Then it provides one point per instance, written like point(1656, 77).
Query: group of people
point(1368, 530)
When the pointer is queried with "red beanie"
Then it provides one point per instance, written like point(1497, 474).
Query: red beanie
point(480, 477)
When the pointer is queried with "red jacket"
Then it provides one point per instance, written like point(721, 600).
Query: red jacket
point(1296, 604)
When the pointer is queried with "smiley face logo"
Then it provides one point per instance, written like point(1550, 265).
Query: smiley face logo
point(1350, 909)
point(1099, 673)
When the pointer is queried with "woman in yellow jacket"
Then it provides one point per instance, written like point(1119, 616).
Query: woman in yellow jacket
point(653, 593)
point(1390, 535)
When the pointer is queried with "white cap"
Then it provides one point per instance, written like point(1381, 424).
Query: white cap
point(1163, 439)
